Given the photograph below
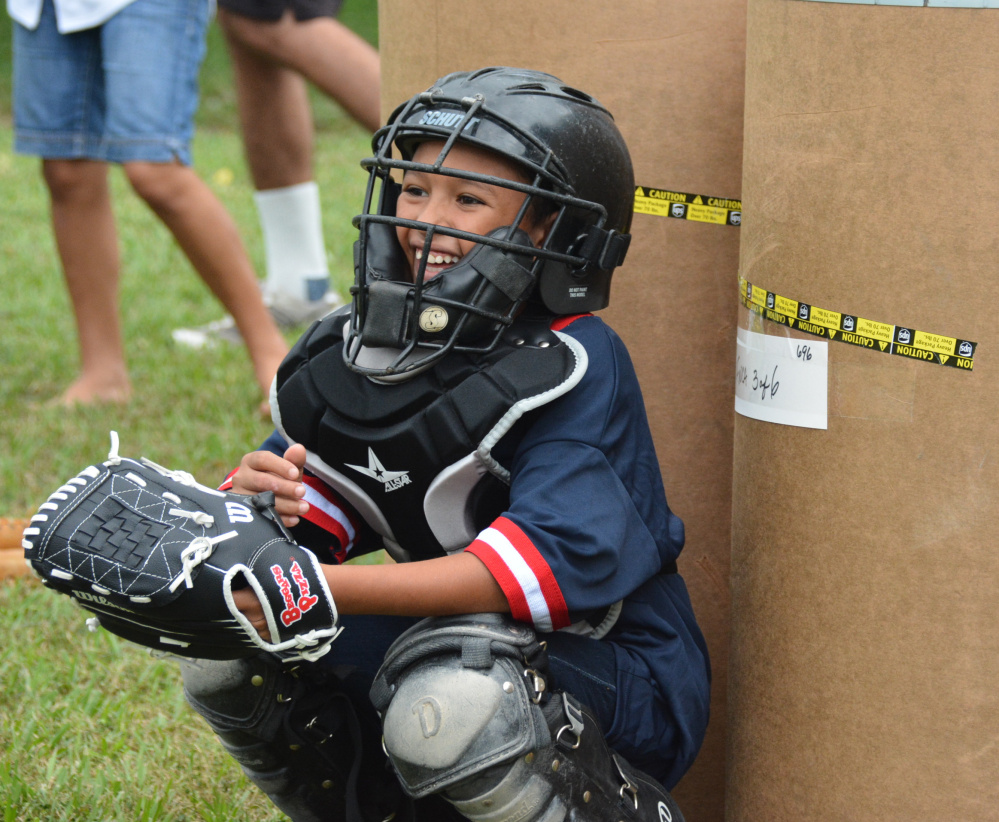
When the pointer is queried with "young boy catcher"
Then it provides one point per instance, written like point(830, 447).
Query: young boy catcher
point(531, 653)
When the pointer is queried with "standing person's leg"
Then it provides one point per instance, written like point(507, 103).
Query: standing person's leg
point(152, 52)
point(208, 236)
point(340, 63)
point(83, 223)
point(276, 123)
point(272, 49)
point(343, 66)
point(275, 116)
point(58, 116)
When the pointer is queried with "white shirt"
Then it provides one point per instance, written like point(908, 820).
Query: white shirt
point(71, 15)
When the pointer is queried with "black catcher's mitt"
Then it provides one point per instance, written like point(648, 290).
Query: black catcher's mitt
point(156, 556)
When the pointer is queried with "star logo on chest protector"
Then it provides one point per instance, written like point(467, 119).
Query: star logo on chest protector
point(393, 480)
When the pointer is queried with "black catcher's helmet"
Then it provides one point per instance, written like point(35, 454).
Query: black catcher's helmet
point(577, 169)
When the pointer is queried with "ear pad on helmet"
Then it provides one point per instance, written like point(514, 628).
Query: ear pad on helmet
point(386, 291)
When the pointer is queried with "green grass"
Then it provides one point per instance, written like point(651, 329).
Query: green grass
point(91, 727)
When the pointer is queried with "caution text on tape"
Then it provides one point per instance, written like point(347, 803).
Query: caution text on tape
point(681, 206)
point(886, 338)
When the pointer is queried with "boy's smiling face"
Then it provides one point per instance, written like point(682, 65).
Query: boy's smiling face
point(466, 205)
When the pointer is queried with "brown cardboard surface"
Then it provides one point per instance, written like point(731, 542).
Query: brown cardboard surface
point(672, 75)
point(865, 641)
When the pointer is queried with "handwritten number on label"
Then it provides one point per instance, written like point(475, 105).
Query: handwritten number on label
point(767, 385)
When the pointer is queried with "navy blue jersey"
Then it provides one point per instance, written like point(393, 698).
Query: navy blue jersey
point(588, 521)
point(588, 536)
point(588, 526)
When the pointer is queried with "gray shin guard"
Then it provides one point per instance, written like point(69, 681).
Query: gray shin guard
point(296, 741)
point(466, 714)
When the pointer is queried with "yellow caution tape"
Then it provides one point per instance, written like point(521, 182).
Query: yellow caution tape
point(680, 206)
point(885, 338)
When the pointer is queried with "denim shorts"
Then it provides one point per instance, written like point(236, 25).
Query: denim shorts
point(123, 91)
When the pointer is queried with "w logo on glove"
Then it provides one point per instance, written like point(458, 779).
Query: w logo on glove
point(237, 512)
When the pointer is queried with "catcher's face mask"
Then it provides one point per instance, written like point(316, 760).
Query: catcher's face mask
point(428, 281)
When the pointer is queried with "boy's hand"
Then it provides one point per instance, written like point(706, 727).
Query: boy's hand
point(248, 604)
point(261, 471)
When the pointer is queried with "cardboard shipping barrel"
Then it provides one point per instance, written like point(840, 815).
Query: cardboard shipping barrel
point(865, 569)
point(672, 75)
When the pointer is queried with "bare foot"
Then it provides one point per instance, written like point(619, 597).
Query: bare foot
point(88, 391)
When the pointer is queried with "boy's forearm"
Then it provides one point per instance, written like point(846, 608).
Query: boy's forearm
point(456, 584)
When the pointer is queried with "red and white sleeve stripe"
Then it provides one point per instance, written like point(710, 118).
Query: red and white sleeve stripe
point(523, 574)
point(328, 512)
point(325, 510)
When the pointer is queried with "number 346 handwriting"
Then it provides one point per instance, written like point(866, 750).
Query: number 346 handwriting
point(766, 383)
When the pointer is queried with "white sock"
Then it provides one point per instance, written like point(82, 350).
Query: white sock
point(294, 249)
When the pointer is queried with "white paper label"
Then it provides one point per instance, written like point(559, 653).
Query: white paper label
point(782, 380)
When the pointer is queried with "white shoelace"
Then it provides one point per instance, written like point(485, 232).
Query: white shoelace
point(194, 554)
point(199, 517)
point(113, 458)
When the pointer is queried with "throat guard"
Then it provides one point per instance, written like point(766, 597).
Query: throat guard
point(414, 457)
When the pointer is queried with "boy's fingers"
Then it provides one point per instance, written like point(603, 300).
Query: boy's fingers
point(265, 471)
point(268, 463)
point(290, 507)
point(296, 456)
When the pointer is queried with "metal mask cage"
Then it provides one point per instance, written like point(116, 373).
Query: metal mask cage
point(547, 183)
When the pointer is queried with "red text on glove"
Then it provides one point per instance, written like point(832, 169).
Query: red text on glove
point(293, 611)
point(305, 600)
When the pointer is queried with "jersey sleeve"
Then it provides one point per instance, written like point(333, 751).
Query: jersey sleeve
point(331, 528)
point(332, 518)
point(588, 522)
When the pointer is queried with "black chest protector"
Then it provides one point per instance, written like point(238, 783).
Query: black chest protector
point(414, 457)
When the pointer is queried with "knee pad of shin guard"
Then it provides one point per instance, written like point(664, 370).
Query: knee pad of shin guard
point(231, 694)
point(245, 701)
point(458, 696)
point(461, 719)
